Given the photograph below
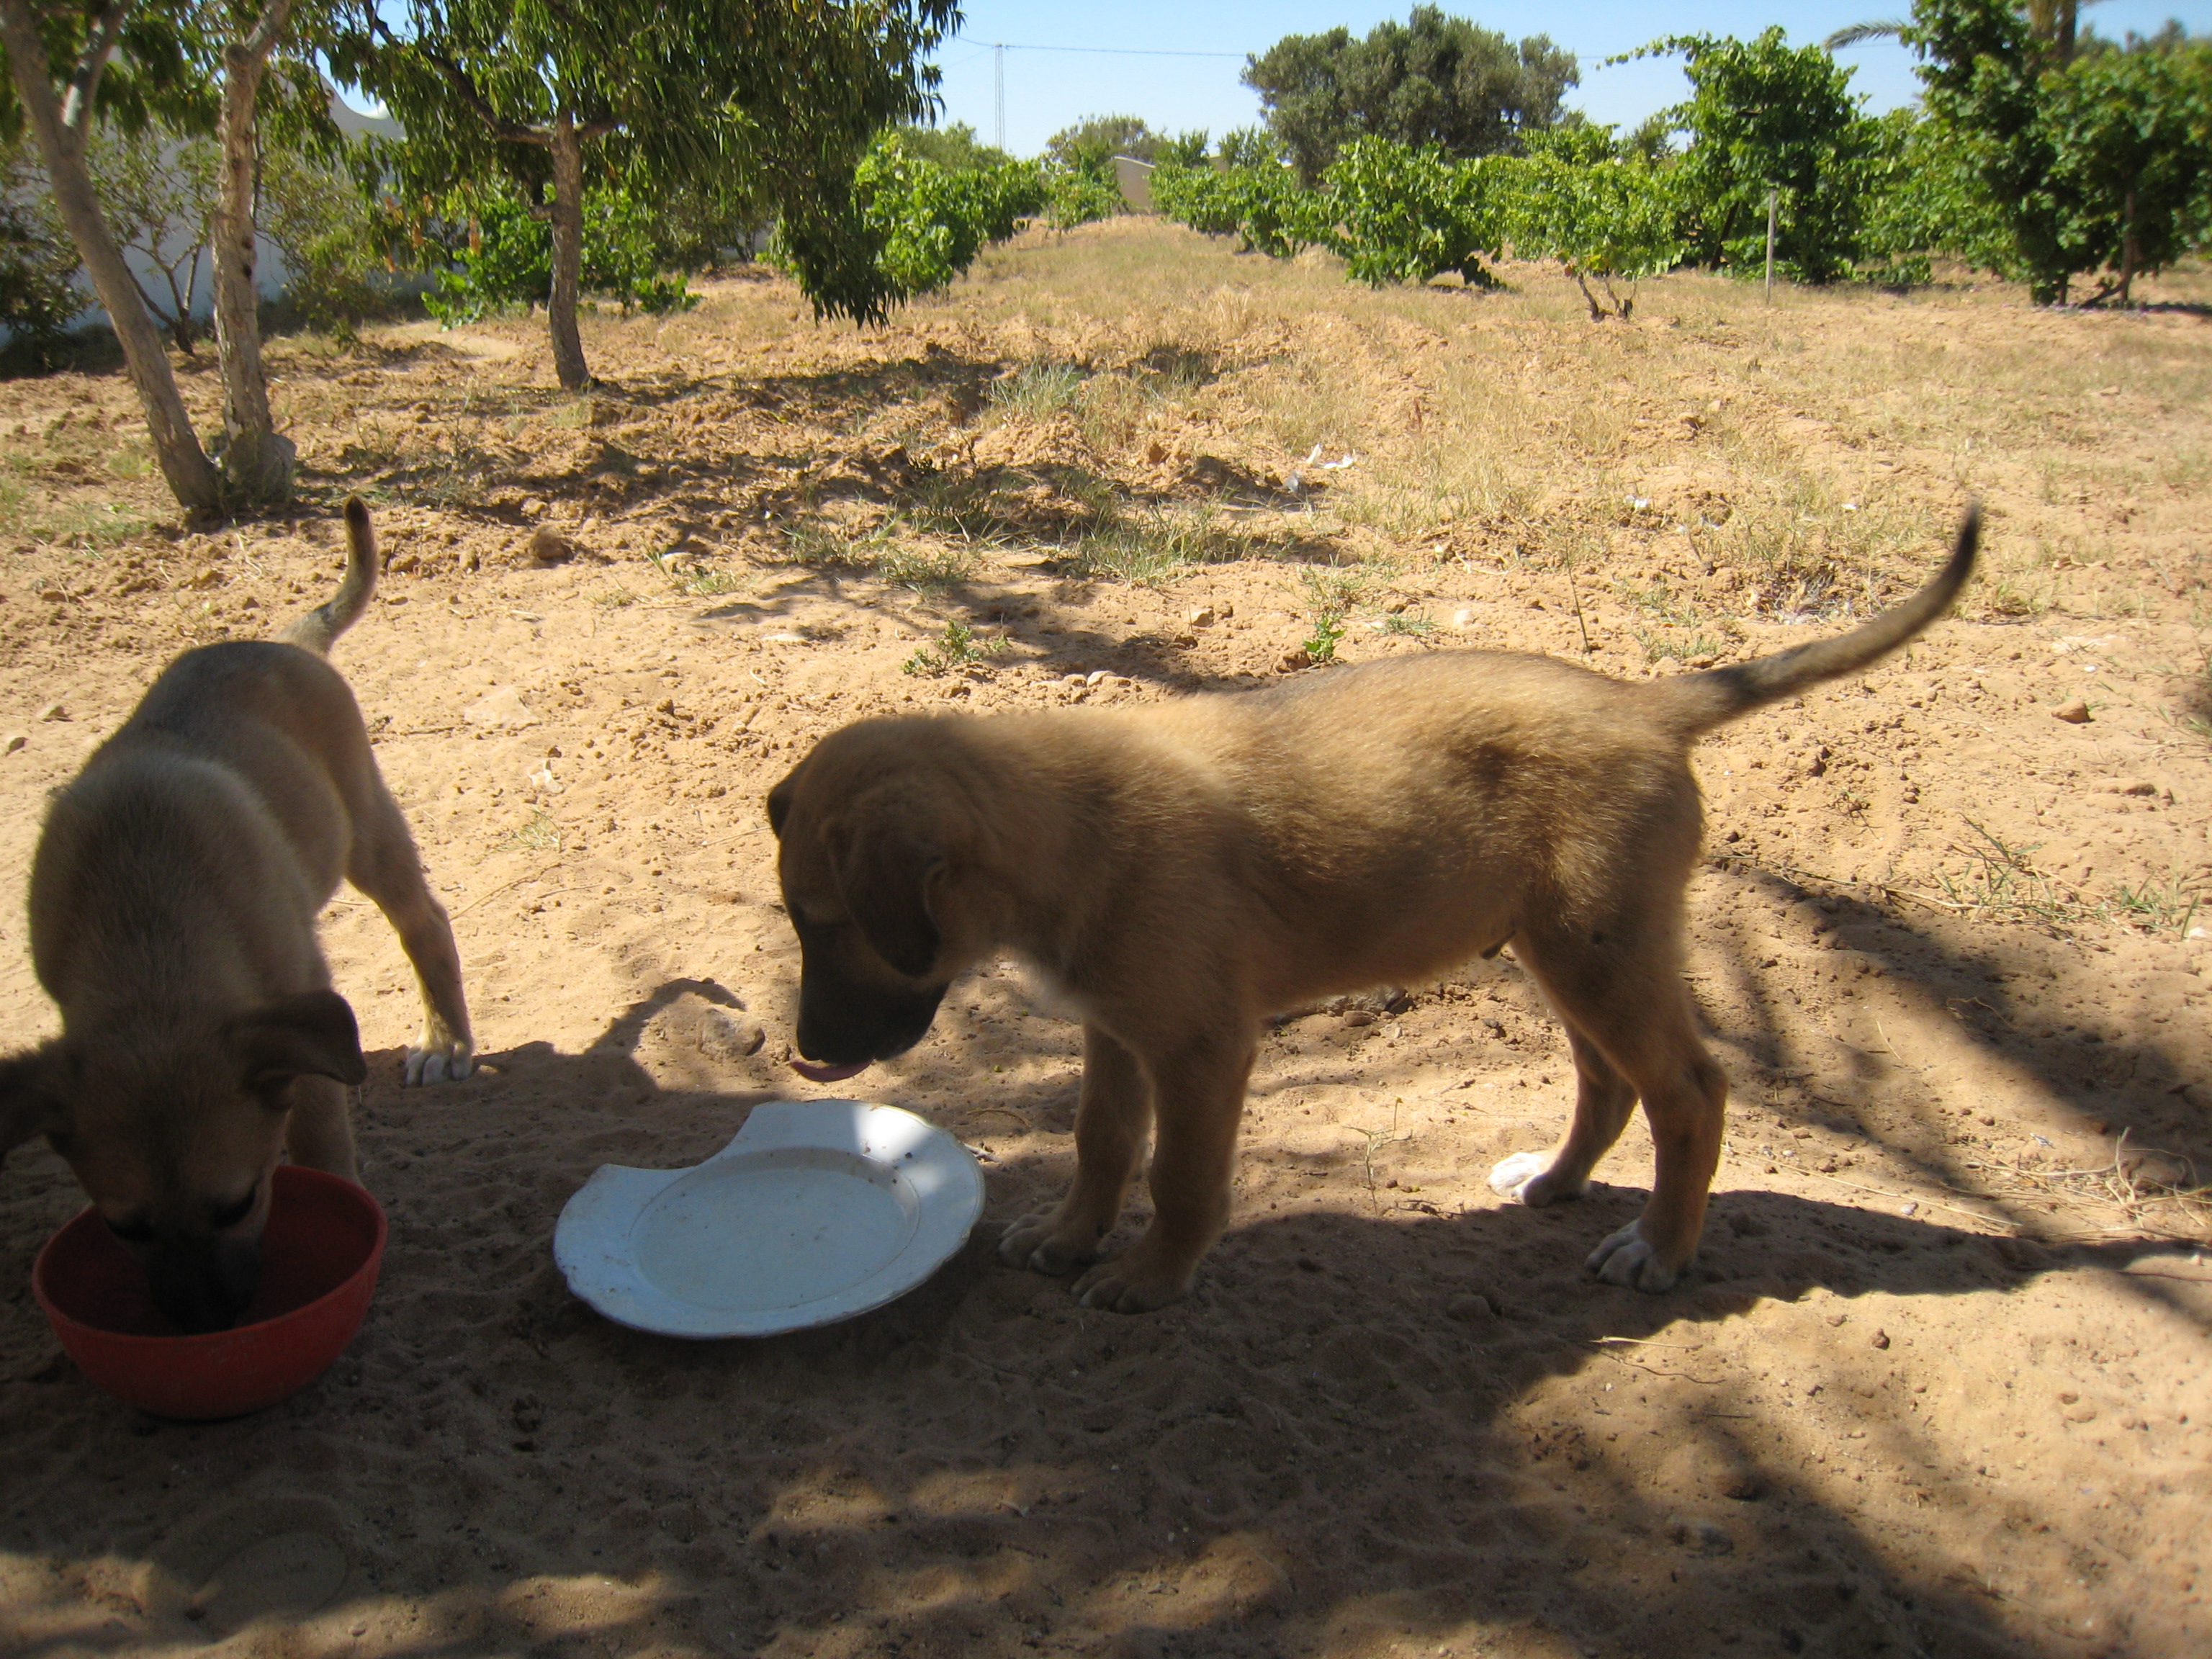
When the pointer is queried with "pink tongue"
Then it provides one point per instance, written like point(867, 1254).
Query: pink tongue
point(814, 1073)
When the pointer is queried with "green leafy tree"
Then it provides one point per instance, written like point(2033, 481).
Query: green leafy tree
point(157, 193)
point(508, 257)
point(2090, 155)
point(338, 248)
point(1982, 64)
point(2131, 156)
point(1091, 144)
point(1763, 115)
point(1601, 215)
point(1433, 81)
point(655, 99)
point(1261, 203)
point(1403, 215)
point(1081, 196)
point(956, 148)
point(38, 294)
point(1184, 149)
point(1250, 147)
point(1923, 199)
point(71, 67)
point(927, 222)
point(194, 66)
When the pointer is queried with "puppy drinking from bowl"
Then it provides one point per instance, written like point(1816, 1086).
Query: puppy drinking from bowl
point(173, 907)
point(1181, 870)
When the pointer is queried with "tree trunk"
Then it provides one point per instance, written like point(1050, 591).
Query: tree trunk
point(256, 461)
point(1589, 298)
point(568, 256)
point(61, 143)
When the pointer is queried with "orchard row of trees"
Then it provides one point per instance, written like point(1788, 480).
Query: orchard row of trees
point(550, 150)
point(2036, 152)
point(531, 127)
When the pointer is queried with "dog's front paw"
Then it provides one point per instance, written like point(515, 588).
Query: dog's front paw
point(438, 1060)
point(1136, 1281)
point(1047, 1242)
point(1527, 1176)
point(1628, 1260)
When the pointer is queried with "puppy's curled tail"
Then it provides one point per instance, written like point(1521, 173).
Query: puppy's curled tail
point(1702, 702)
point(320, 627)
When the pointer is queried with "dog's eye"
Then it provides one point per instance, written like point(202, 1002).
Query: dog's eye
point(231, 1214)
point(136, 1230)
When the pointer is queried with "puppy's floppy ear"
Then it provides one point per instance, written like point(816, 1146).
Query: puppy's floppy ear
point(29, 1106)
point(885, 871)
point(310, 1035)
point(779, 801)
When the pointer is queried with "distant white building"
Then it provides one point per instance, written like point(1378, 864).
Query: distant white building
point(1135, 180)
point(270, 274)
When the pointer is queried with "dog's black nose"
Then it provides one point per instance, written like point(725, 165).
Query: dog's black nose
point(206, 1288)
point(840, 1024)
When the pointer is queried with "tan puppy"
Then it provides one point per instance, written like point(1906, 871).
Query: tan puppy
point(173, 919)
point(1180, 871)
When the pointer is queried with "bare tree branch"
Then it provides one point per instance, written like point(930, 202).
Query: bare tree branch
point(266, 32)
point(91, 63)
point(515, 132)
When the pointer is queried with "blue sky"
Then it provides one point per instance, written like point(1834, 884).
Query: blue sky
point(1047, 90)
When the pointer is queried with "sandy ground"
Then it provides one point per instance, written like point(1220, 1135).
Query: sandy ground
point(1939, 1385)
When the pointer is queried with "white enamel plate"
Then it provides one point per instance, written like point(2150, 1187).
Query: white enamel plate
point(817, 1211)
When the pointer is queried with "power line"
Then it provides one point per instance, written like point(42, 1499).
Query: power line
point(1110, 51)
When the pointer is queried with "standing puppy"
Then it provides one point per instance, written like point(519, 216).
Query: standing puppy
point(174, 900)
point(1182, 872)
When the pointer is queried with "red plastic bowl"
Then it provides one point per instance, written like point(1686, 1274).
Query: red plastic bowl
point(319, 1253)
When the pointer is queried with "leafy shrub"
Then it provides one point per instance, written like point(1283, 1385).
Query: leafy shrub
point(1923, 199)
point(1263, 204)
point(1199, 197)
point(1764, 115)
point(2131, 155)
point(1603, 217)
point(508, 258)
point(1403, 215)
point(158, 195)
point(38, 261)
point(929, 222)
point(1078, 196)
point(1250, 147)
point(333, 239)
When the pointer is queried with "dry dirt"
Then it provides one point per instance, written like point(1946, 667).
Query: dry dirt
point(1940, 1385)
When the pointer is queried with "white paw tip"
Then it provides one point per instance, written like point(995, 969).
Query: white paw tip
point(1511, 1175)
point(1627, 1259)
point(429, 1065)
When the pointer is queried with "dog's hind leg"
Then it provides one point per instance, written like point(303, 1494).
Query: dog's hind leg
point(1200, 1094)
point(1629, 1004)
point(1603, 1100)
point(1112, 1118)
point(320, 1130)
point(387, 867)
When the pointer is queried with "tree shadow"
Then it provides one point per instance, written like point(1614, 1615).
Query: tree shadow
point(1329, 1446)
point(1970, 986)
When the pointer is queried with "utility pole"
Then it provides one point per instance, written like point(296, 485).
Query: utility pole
point(999, 90)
